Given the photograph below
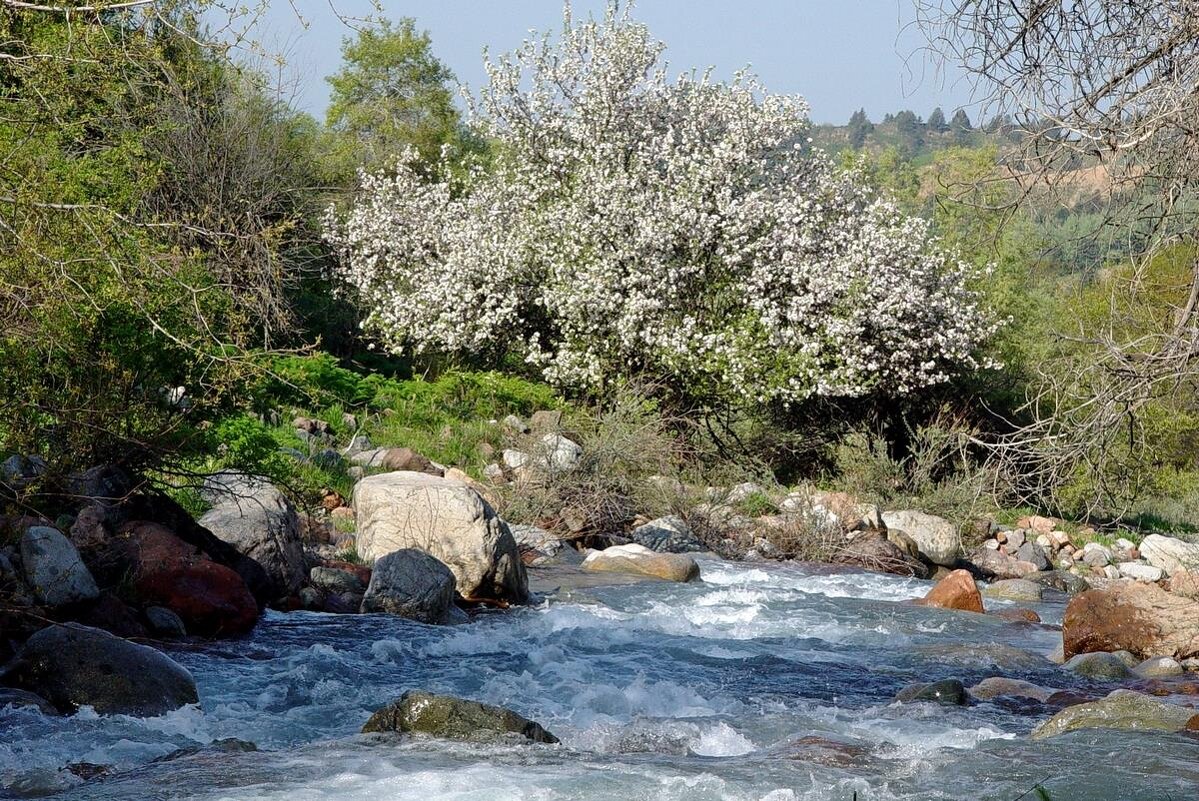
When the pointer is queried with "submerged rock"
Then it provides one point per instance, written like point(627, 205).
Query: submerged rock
point(641, 560)
point(956, 591)
point(72, 666)
point(453, 718)
point(411, 584)
point(1099, 665)
point(998, 686)
point(447, 520)
point(948, 692)
point(11, 696)
point(1014, 590)
point(1122, 709)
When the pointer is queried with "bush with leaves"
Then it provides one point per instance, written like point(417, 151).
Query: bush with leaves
point(634, 224)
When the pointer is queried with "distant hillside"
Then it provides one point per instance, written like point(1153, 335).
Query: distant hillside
point(915, 138)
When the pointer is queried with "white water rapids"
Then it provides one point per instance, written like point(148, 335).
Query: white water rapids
point(761, 682)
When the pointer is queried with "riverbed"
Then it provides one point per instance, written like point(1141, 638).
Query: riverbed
point(762, 681)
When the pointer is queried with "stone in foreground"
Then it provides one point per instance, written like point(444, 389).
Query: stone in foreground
point(955, 591)
point(453, 718)
point(1122, 709)
point(73, 666)
point(641, 560)
point(411, 584)
point(447, 520)
point(1132, 616)
point(1099, 665)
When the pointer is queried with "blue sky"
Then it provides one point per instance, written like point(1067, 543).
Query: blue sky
point(839, 54)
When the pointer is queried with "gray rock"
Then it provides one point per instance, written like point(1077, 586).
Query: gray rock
point(1159, 667)
point(1035, 554)
point(1015, 539)
point(515, 424)
point(1096, 555)
point(1100, 666)
point(453, 718)
point(447, 519)
point(18, 699)
point(537, 543)
point(558, 453)
point(1169, 553)
point(948, 692)
point(1015, 590)
point(53, 568)
point(997, 565)
point(938, 538)
point(165, 623)
point(261, 523)
point(1140, 571)
point(19, 471)
point(668, 534)
point(1122, 709)
point(546, 420)
point(1062, 581)
point(72, 666)
point(411, 584)
point(331, 579)
point(997, 686)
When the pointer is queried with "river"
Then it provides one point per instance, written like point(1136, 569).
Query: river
point(766, 681)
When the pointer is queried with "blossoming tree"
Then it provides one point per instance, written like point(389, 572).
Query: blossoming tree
point(634, 223)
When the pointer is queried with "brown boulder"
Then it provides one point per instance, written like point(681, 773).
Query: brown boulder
point(1132, 616)
point(956, 591)
point(210, 598)
point(1184, 583)
point(1018, 615)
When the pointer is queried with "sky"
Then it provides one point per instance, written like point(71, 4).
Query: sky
point(839, 54)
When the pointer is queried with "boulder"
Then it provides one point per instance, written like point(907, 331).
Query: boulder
point(949, 692)
point(1097, 555)
point(1015, 590)
point(1140, 571)
point(669, 534)
point(446, 519)
point(1184, 583)
point(1062, 581)
point(160, 509)
point(23, 699)
point(110, 613)
point(994, 564)
point(1159, 667)
point(938, 538)
point(537, 546)
point(260, 522)
point(72, 666)
point(53, 568)
point(640, 560)
point(210, 598)
point(337, 580)
point(874, 551)
point(453, 718)
point(411, 584)
point(397, 459)
point(1034, 554)
point(1169, 553)
point(1122, 709)
point(956, 591)
point(1099, 665)
point(165, 623)
point(1141, 618)
point(998, 686)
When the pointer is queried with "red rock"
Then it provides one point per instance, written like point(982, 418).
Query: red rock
point(1132, 616)
point(956, 591)
point(1018, 615)
point(212, 600)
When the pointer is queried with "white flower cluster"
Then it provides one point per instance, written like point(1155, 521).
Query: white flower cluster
point(631, 223)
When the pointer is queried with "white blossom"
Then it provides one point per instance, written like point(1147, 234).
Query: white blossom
point(634, 223)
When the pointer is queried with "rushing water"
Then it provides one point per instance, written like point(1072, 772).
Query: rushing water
point(760, 682)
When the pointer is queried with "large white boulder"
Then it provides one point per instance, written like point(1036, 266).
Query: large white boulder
point(936, 537)
point(446, 519)
point(1170, 554)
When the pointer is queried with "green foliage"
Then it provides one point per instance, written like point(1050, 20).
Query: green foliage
point(390, 93)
